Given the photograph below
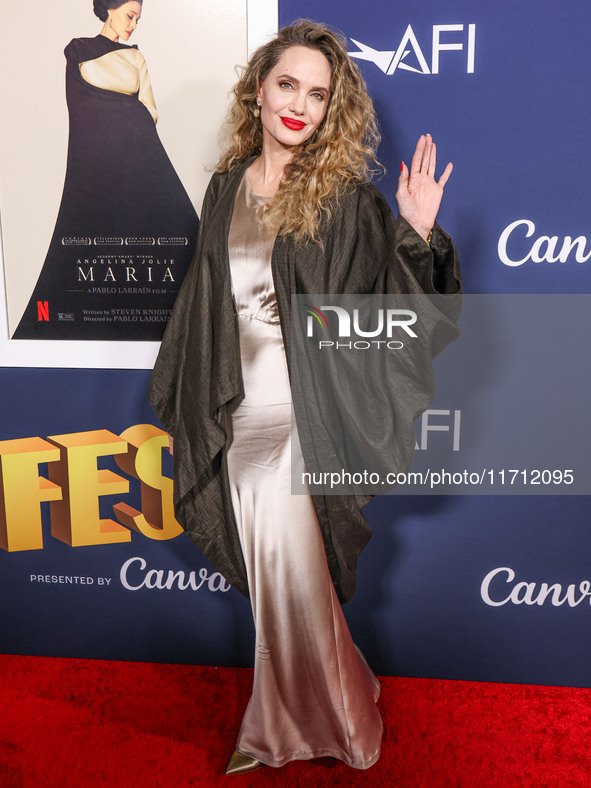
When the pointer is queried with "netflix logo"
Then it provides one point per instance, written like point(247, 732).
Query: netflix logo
point(43, 311)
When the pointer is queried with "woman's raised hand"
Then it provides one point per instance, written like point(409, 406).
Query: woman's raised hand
point(419, 194)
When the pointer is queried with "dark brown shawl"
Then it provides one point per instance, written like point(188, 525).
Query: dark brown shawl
point(364, 250)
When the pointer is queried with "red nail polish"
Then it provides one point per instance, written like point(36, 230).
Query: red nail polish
point(401, 166)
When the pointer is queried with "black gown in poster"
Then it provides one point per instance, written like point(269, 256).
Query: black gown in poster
point(126, 229)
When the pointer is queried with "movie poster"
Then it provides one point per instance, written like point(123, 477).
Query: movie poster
point(104, 159)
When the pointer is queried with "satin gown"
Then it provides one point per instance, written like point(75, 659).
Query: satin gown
point(313, 694)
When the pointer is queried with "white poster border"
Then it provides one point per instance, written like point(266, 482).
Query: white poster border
point(262, 23)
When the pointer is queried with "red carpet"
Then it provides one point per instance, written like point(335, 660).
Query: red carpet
point(68, 722)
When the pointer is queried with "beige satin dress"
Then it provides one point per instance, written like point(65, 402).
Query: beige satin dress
point(313, 693)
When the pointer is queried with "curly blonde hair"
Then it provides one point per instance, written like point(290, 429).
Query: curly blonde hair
point(342, 150)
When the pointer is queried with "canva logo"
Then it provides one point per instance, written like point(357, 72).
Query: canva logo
point(384, 323)
point(133, 577)
point(409, 51)
point(542, 249)
point(498, 588)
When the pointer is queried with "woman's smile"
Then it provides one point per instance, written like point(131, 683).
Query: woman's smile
point(292, 123)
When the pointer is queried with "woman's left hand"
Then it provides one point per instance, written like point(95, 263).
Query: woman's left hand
point(419, 194)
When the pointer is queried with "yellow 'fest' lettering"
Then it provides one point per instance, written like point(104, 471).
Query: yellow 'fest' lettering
point(75, 486)
point(22, 489)
point(75, 519)
point(144, 461)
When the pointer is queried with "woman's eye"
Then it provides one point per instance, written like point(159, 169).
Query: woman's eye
point(287, 85)
point(319, 96)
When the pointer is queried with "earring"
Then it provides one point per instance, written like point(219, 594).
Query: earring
point(257, 110)
point(110, 21)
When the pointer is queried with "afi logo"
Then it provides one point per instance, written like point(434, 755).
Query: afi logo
point(389, 61)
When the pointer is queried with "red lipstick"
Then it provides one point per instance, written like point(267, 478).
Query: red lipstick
point(294, 125)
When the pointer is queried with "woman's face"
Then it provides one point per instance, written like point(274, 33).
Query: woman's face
point(294, 97)
point(125, 18)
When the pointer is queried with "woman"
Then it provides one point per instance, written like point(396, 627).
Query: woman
point(126, 228)
point(289, 210)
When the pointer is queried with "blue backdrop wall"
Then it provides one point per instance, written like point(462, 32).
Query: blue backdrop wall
point(450, 586)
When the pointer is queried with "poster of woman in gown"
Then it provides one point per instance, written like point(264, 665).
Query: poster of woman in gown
point(126, 227)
